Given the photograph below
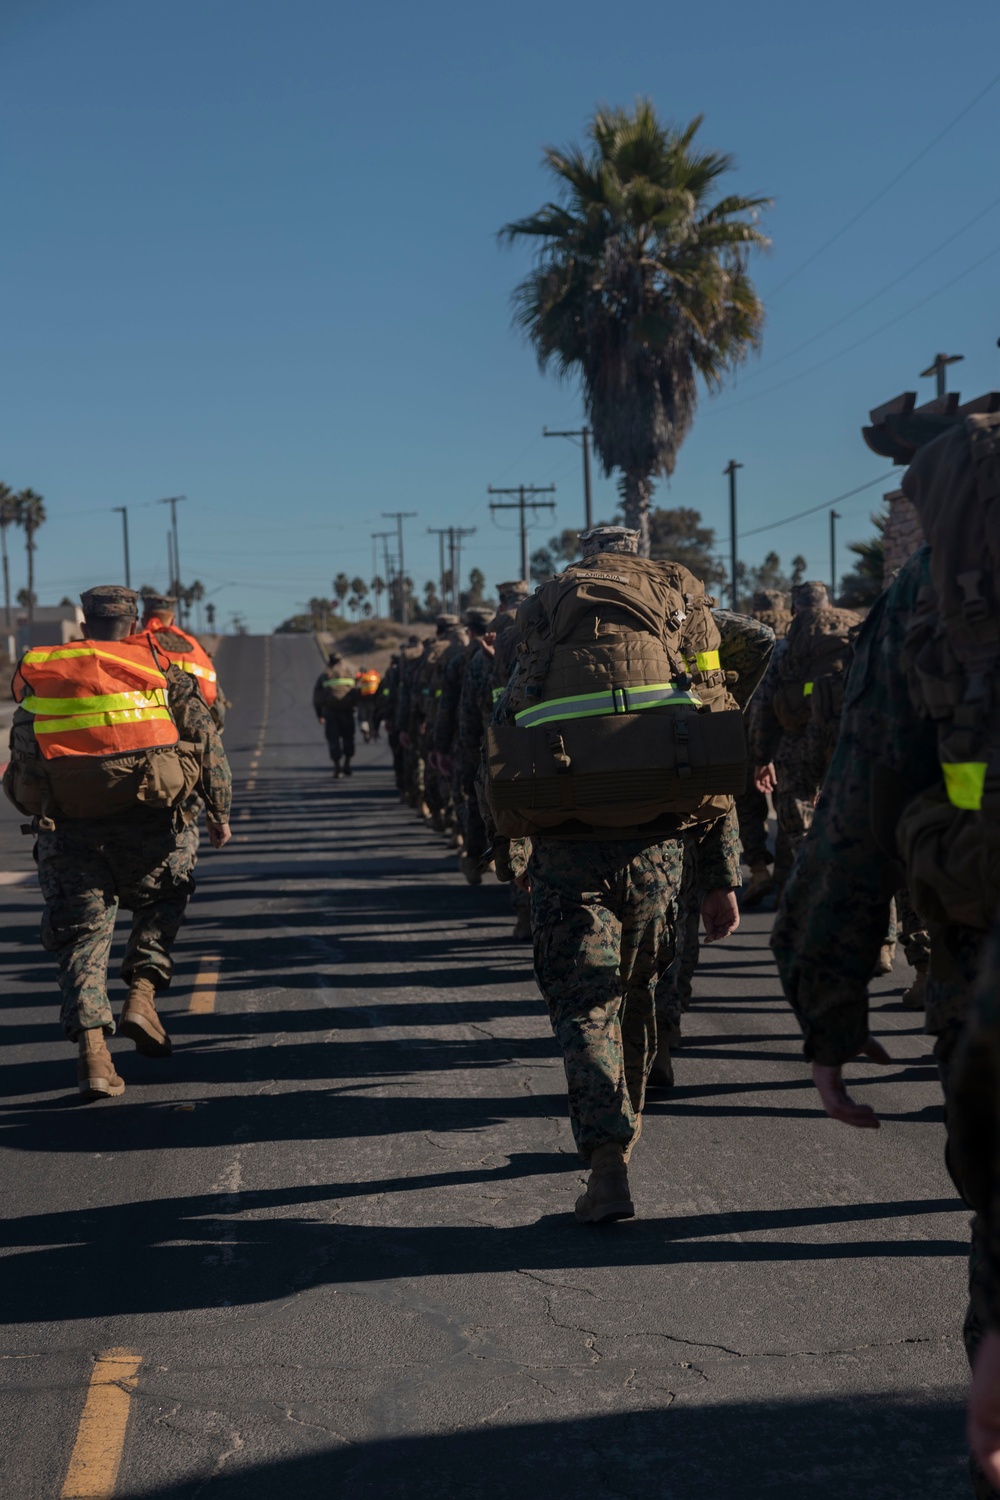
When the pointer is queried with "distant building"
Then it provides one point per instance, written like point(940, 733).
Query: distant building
point(53, 625)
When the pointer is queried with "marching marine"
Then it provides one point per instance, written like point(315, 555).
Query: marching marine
point(108, 744)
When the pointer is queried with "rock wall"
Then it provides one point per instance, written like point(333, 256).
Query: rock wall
point(902, 535)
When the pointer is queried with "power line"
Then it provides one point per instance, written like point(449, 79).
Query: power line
point(814, 338)
point(882, 191)
point(823, 505)
point(865, 338)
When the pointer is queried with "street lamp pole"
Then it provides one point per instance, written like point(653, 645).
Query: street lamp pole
point(730, 469)
point(123, 512)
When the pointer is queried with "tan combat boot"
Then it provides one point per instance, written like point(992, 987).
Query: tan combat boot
point(95, 1072)
point(607, 1196)
point(886, 958)
point(469, 866)
point(915, 997)
point(141, 1024)
point(522, 925)
point(761, 885)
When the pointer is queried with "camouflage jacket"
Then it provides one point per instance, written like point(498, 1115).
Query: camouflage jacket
point(451, 673)
point(973, 1122)
point(835, 909)
point(474, 708)
point(745, 649)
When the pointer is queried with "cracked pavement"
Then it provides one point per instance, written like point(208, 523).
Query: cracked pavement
point(336, 1224)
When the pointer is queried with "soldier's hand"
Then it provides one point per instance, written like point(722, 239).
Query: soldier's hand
point(219, 834)
point(765, 778)
point(445, 764)
point(720, 915)
point(837, 1101)
point(404, 739)
point(523, 883)
point(984, 1407)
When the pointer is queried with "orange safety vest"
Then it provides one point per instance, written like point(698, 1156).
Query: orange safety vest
point(196, 660)
point(368, 683)
point(95, 698)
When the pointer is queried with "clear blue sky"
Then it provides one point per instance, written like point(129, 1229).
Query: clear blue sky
point(249, 256)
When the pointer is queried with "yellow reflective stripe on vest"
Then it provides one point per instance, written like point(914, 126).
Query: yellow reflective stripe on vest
point(807, 690)
point(67, 653)
point(619, 700)
point(189, 666)
point(964, 782)
point(102, 703)
point(708, 661)
point(100, 720)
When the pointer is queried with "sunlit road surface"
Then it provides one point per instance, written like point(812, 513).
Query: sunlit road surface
point(327, 1248)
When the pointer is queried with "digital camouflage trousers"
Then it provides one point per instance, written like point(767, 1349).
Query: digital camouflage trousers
point(86, 870)
point(603, 915)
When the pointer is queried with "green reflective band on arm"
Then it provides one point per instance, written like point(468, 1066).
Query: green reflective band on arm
point(964, 784)
point(807, 690)
point(496, 694)
point(619, 700)
point(708, 661)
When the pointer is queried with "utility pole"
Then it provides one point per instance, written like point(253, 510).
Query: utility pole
point(173, 501)
point(455, 535)
point(383, 537)
point(835, 516)
point(123, 512)
point(399, 516)
point(730, 469)
point(584, 434)
point(441, 532)
point(938, 367)
point(522, 491)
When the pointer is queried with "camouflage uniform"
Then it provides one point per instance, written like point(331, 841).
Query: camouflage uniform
point(603, 913)
point(768, 608)
point(141, 860)
point(846, 873)
point(794, 757)
point(745, 650)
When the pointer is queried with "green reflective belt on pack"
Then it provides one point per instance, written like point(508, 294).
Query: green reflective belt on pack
point(619, 700)
point(964, 782)
point(338, 682)
point(807, 690)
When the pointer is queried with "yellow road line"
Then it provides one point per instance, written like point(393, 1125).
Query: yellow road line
point(202, 1001)
point(100, 1439)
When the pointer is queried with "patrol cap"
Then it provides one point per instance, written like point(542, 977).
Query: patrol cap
point(153, 603)
point(513, 591)
point(768, 599)
point(810, 595)
point(478, 619)
point(333, 658)
point(609, 539)
point(110, 601)
point(445, 622)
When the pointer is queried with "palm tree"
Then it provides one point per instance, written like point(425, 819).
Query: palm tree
point(8, 517)
point(30, 515)
point(640, 285)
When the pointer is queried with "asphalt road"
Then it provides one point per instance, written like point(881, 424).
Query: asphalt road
point(333, 1235)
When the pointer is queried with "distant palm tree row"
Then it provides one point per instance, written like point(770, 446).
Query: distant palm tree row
point(26, 509)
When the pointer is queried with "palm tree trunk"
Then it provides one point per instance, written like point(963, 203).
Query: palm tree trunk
point(6, 576)
point(31, 573)
point(636, 487)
